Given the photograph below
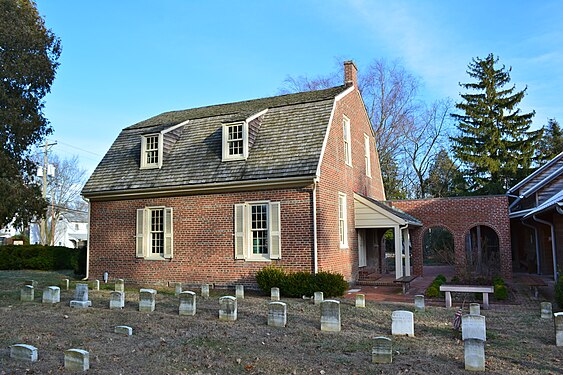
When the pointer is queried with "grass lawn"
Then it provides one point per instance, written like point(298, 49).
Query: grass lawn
point(519, 341)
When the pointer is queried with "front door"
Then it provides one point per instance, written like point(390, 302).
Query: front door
point(362, 261)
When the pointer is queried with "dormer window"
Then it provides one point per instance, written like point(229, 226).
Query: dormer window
point(235, 141)
point(151, 151)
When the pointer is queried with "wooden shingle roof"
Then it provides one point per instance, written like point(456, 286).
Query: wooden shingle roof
point(288, 144)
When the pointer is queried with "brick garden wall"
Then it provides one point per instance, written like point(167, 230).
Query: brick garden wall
point(459, 215)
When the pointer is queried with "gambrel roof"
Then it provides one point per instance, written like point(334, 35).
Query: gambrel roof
point(288, 143)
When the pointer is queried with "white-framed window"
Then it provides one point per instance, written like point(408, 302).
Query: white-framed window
point(235, 141)
point(154, 237)
point(257, 231)
point(347, 141)
point(342, 220)
point(367, 155)
point(151, 151)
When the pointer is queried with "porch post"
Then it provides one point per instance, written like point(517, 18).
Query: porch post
point(406, 241)
point(398, 252)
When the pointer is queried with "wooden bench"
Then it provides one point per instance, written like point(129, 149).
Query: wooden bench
point(467, 289)
point(534, 283)
point(406, 282)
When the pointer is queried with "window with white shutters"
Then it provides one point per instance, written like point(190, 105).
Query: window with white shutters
point(154, 238)
point(342, 220)
point(347, 141)
point(257, 231)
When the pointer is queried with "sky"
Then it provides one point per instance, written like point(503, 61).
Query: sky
point(125, 61)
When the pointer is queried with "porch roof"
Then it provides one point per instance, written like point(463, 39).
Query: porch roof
point(371, 213)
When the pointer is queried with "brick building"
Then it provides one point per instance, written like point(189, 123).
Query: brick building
point(214, 194)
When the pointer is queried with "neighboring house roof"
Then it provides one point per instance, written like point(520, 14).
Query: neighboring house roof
point(395, 214)
point(289, 143)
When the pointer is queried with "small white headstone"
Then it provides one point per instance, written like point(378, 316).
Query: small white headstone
point(27, 293)
point(318, 297)
point(402, 323)
point(546, 310)
point(474, 309)
point(123, 330)
point(277, 314)
point(23, 352)
point(96, 285)
point(558, 321)
point(360, 300)
point(65, 284)
point(474, 353)
point(227, 308)
point(187, 303)
point(239, 291)
point(52, 294)
point(77, 360)
point(330, 316)
point(419, 303)
point(116, 300)
point(81, 297)
point(473, 327)
point(147, 300)
point(205, 290)
point(275, 294)
point(177, 289)
point(382, 351)
point(119, 285)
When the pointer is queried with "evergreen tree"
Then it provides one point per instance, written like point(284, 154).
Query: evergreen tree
point(494, 143)
point(551, 143)
point(444, 177)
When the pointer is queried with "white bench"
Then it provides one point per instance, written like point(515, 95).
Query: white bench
point(467, 289)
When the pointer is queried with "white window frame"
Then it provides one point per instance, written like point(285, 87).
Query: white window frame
point(342, 221)
point(347, 140)
point(244, 233)
point(144, 233)
point(367, 155)
point(144, 163)
point(225, 130)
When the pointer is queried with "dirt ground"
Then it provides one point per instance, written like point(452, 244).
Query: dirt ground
point(518, 340)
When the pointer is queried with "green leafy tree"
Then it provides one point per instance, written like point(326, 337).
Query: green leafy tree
point(494, 143)
point(28, 62)
point(551, 143)
point(444, 177)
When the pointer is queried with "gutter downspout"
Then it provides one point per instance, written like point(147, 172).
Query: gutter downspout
point(88, 241)
point(315, 237)
point(538, 268)
point(553, 248)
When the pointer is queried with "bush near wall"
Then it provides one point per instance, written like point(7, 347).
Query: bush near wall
point(44, 258)
point(297, 284)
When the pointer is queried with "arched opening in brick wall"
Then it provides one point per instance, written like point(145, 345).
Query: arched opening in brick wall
point(482, 253)
point(438, 247)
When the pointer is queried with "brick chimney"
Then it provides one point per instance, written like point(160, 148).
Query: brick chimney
point(350, 74)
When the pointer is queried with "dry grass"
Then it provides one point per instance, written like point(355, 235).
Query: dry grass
point(519, 342)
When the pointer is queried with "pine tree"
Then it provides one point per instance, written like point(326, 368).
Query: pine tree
point(444, 177)
point(551, 143)
point(495, 145)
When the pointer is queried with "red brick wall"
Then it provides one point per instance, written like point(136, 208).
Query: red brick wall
point(203, 238)
point(459, 215)
point(337, 176)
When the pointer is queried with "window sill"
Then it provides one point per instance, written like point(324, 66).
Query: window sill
point(258, 259)
point(154, 258)
point(150, 166)
point(344, 247)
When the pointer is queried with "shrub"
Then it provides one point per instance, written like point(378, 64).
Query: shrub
point(297, 284)
point(441, 278)
point(497, 280)
point(432, 292)
point(559, 292)
point(501, 292)
point(44, 258)
point(270, 277)
point(331, 284)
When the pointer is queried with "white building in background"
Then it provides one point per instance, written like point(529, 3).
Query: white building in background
point(7, 232)
point(71, 230)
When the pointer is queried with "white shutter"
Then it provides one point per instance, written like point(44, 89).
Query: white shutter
point(239, 231)
point(275, 231)
point(139, 237)
point(168, 233)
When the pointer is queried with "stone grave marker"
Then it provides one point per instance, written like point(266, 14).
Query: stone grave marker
point(80, 300)
point(419, 303)
point(558, 322)
point(228, 308)
point(318, 297)
point(473, 327)
point(52, 294)
point(65, 283)
point(239, 291)
point(474, 309)
point(116, 300)
point(546, 310)
point(360, 300)
point(33, 283)
point(27, 293)
point(402, 323)
point(119, 285)
point(205, 290)
point(123, 330)
point(23, 352)
point(177, 289)
point(147, 300)
point(330, 315)
point(277, 314)
point(77, 360)
point(382, 351)
point(474, 354)
point(96, 285)
point(275, 294)
point(187, 303)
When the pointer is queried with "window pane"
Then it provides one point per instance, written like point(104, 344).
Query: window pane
point(151, 149)
point(259, 228)
point(157, 231)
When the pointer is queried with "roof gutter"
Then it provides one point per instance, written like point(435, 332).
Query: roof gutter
point(553, 248)
point(88, 242)
point(315, 237)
